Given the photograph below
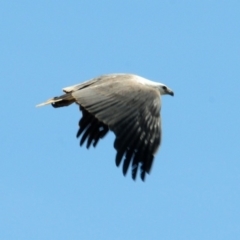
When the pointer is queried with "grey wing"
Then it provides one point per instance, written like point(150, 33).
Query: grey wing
point(132, 112)
point(96, 81)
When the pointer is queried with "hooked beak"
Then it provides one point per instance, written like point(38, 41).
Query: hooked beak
point(170, 92)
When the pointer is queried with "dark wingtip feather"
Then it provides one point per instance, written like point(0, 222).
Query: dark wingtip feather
point(143, 174)
point(127, 160)
point(119, 157)
point(134, 171)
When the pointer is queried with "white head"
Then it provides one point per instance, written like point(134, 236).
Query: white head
point(165, 90)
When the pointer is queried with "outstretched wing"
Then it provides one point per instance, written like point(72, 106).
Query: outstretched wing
point(132, 111)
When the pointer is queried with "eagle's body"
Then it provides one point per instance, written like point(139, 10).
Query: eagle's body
point(126, 104)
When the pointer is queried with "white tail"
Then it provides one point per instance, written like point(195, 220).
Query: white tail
point(49, 101)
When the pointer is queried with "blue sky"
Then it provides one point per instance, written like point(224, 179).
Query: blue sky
point(50, 188)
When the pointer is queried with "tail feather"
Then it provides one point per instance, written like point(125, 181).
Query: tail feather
point(61, 101)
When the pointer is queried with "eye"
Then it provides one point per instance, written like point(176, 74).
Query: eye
point(164, 88)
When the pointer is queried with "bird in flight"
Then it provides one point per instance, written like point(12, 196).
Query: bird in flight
point(126, 104)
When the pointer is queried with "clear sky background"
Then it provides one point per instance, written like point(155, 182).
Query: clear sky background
point(50, 188)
